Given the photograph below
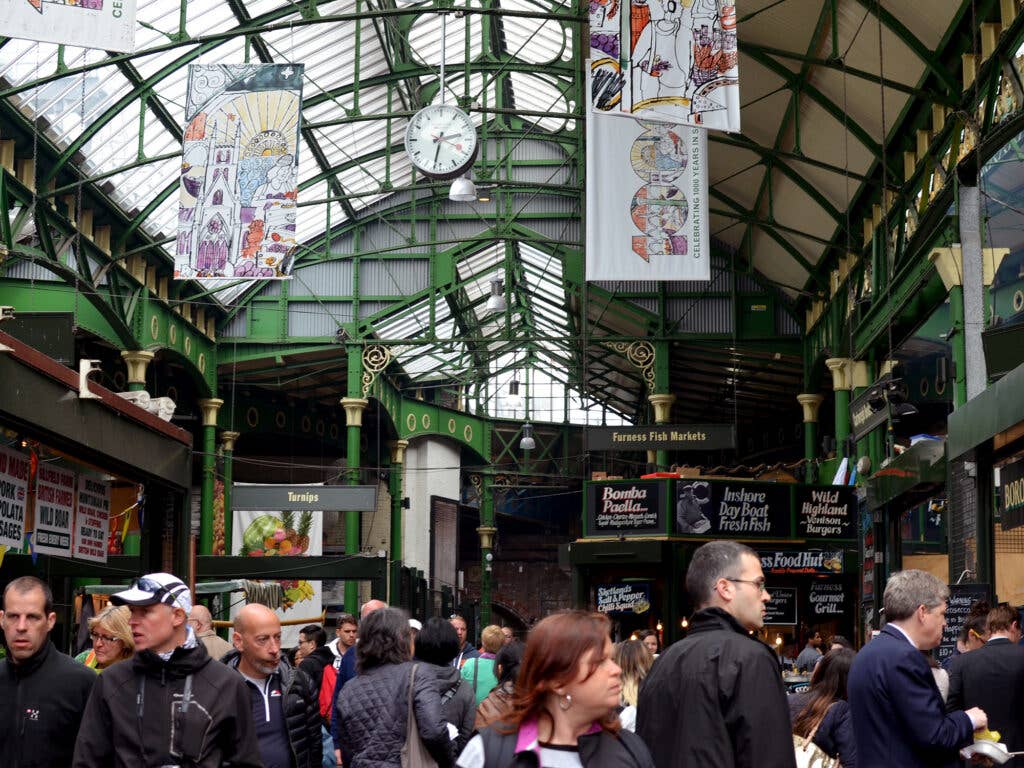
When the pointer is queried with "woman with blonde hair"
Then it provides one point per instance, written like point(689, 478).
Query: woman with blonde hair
point(480, 672)
point(111, 638)
point(635, 660)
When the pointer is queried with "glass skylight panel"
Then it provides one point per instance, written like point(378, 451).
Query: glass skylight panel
point(136, 188)
point(205, 17)
point(537, 41)
point(533, 93)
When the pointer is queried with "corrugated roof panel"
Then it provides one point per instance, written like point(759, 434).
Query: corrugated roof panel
point(785, 325)
point(701, 315)
point(534, 40)
point(330, 278)
point(316, 318)
point(238, 326)
point(393, 277)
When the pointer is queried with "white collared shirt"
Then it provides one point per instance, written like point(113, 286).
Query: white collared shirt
point(903, 632)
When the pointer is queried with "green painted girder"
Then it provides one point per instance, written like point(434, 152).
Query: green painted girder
point(30, 297)
point(234, 352)
point(927, 56)
point(158, 328)
point(418, 419)
point(772, 232)
point(947, 99)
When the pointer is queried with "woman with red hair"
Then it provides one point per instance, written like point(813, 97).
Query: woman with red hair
point(563, 713)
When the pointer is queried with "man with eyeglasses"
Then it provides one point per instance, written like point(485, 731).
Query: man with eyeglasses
point(716, 697)
point(171, 705)
point(42, 691)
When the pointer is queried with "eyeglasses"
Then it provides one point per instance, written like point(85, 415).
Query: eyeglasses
point(96, 637)
point(759, 584)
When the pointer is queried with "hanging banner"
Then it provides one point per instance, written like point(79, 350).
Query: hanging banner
point(647, 201)
point(14, 472)
point(283, 534)
point(624, 508)
point(738, 510)
point(607, 79)
point(683, 63)
point(239, 172)
point(624, 598)
point(92, 522)
point(105, 24)
point(55, 510)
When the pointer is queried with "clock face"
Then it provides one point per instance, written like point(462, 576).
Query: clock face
point(441, 141)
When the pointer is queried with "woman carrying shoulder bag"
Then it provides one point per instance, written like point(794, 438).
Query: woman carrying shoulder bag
point(564, 710)
point(822, 715)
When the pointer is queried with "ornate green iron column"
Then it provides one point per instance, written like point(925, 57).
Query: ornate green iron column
point(354, 407)
point(841, 383)
point(486, 531)
point(137, 361)
point(395, 489)
point(209, 406)
point(227, 442)
point(662, 405)
point(811, 404)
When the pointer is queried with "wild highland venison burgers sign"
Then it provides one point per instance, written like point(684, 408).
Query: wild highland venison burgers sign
point(825, 513)
point(620, 508)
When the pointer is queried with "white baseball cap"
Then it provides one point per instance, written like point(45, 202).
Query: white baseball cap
point(155, 588)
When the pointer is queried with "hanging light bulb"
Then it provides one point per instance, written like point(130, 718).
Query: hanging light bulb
point(496, 301)
point(527, 443)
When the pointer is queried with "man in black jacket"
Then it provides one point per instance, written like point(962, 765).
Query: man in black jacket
point(283, 699)
point(716, 698)
point(992, 677)
point(171, 704)
point(42, 691)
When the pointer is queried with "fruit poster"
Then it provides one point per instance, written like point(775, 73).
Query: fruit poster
point(284, 534)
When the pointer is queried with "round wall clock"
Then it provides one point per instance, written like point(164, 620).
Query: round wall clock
point(441, 141)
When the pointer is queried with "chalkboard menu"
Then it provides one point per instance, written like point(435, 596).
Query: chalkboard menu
point(782, 607)
point(961, 598)
point(825, 601)
point(623, 508)
point(733, 509)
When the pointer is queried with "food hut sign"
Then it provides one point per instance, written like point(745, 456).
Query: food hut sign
point(810, 562)
point(626, 508)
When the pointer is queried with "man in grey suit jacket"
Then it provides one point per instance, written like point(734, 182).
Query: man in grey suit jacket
point(992, 677)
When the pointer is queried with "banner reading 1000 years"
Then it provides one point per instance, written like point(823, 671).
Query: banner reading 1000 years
point(239, 172)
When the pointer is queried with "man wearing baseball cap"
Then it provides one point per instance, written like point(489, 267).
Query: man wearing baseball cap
point(171, 705)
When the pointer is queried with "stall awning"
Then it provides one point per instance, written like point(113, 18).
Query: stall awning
point(983, 417)
point(913, 475)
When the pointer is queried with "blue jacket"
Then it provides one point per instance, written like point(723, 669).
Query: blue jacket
point(898, 715)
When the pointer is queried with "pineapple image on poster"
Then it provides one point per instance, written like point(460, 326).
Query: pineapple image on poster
point(284, 534)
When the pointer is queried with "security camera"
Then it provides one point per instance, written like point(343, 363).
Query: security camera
point(86, 368)
point(6, 313)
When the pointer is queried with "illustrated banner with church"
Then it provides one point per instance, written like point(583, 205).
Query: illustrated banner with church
point(239, 172)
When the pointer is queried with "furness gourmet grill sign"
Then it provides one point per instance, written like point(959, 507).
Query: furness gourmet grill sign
point(626, 507)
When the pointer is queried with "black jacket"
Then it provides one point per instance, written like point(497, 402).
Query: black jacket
point(119, 731)
point(835, 733)
point(992, 677)
point(458, 705)
point(716, 699)
point(41, 705)
point(596, 750)
point(373, 708)
point(313, 665)
point(301, 708)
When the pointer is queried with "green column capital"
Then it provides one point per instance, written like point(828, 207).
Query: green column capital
point(842, 374)
point(354, 407)
point(662, 404)
point(210, 406)
point(137, 360)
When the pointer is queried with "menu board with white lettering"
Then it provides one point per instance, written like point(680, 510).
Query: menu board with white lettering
point(781, 609)
point(14, 471)
point(828, 512)
point(735, 509)
point(622, 508)
point(92, 520)
point(826, 599)
point(55, 510)
point(961, 598)
point(634, 597)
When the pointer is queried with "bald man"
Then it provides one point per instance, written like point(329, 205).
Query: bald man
point(202, 624)
point(284, 702)
point(346, 672)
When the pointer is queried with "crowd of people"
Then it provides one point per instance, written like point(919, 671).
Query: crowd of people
point(160, 688)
